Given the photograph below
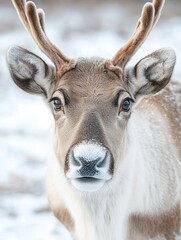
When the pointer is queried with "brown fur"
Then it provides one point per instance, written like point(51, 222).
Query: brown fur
point(173, 112)
point(166, 103)
point(148, 226)
point(64, 217)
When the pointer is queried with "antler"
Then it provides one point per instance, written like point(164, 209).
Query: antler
point(34, 21)
point(150, 14)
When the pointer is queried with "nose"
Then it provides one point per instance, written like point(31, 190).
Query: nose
point(89, 166)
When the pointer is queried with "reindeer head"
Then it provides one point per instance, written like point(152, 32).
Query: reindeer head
point(91, 99)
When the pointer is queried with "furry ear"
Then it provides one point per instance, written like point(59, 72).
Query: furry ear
point(29, 71)
point(152, 73)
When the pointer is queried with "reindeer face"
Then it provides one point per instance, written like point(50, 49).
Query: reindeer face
point(91, 106)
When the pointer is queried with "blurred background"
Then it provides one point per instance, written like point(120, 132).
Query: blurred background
point(79, 28)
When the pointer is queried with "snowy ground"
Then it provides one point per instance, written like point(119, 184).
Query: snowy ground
point(25, 121)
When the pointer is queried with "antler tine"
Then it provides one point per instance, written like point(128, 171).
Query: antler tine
point(41, 15)
point(150, 15)
point(158, 5)
point(34, 21)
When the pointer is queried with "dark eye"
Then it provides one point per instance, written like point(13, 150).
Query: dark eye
point(57, 104)
point(126, 105)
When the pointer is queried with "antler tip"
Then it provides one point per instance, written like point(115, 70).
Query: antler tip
point(30, 6)
point(147, 14)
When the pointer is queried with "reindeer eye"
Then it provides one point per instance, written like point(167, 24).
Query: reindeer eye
point(126, 105)
point(57, 104)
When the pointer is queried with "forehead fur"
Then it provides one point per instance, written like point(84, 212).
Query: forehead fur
point(90, 77)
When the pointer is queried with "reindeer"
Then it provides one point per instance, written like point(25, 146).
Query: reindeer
point(114, 171)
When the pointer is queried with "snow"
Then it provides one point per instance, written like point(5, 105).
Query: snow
point(25, 120)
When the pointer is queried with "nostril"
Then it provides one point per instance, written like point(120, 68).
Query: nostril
point(76, 161)
point(101, 162)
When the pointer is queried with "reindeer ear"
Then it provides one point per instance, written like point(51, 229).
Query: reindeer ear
point(29, 71)
point(152, 73)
